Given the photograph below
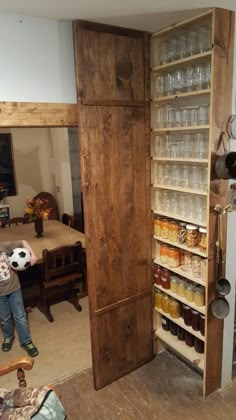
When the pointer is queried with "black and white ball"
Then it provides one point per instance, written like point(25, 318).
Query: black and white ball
point(19, 259)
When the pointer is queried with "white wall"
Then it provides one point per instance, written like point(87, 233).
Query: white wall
point(37, 60)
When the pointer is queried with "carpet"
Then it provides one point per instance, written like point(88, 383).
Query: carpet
point(64, 346)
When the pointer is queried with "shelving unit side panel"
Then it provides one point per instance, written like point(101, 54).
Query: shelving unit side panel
point(220, 110)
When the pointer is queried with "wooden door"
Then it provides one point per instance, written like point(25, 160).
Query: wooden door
point(112, 70)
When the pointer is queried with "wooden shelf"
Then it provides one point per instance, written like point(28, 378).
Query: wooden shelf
point(188, 352)
point(180, 272)
point(189, 128)
point(181, 95)
point(180, 322)
point(181, 246)
point(180, 189)
point(201, 309)
point(180, 218)
point(191, 59)
point(184, 160)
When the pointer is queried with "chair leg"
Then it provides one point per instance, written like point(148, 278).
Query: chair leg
point(44, 306)
point(74, 300)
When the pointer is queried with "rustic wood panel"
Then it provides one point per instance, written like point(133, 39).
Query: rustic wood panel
point(221, 99)
point(33, 114)
point(116, 187)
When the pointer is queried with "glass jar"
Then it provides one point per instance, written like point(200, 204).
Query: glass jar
point(165, 323)
point(188, 261)
point(158, 299)
point(182, 233)
point(180, 333)
point(203, 268)
point(181, 256)
point(165, 278)
point(187, 315)
point(198, 345)
point(196, 266)
point(157, 226)
point(192, 236)
point(165, 303)
point(157, 274)
point(189, 293)
point(188, 339)
point(164, 229)
point(202, 239)
point(181, 288)
point(199, 296)
point(174, 308)
point(164, 253)
point(202, 324)
point(173, 231)
point(174, 257)
point(174, 284)
point(195, 320)
point(173, 328)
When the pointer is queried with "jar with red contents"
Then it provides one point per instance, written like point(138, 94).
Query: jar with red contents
point(165, 278)
point(157, 274)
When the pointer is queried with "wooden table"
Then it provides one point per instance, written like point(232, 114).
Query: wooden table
point(55, 234)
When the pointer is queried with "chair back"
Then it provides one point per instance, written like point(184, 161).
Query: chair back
point(52, 203)
point(63, 264)
point(68, 220)
point(15, 221)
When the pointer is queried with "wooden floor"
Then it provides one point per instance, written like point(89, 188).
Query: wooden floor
point(148, 393)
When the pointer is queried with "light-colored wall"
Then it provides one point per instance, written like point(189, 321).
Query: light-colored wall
point(37, 60)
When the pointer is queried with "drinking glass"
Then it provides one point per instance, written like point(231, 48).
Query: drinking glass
point(203, 115)
point(203, 145)
point(184, 178)
point(168, 84)
point(198, 77)
point(156, 146)
point(166, 175)
point(186, 116)
point(204, 38)
point(188, 145)
point(172, 49)
point(207, 76)
point(163, 52)
point(189, 206)
point(188, 79)
point(174, 147)
point(171, 117)
point(195, 177)
point(159, 86)
point(161, 146)
point(174, 178)
point(192, 42)
point(160, 179)
point(193, 115)
point(156, 199)
point(181, 204)
point(204, 178)
point(182, 45)
point(178, 81)
point(165, 201)
point(173, 202)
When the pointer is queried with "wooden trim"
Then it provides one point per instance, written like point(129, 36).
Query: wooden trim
point(110, 29)
point(38, 114)
point(122, 302)
point(108, 102)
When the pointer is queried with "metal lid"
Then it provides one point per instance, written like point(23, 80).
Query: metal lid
point(191, 227)
point(202, 230)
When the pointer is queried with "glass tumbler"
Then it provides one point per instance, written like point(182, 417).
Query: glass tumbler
point(174, 174)
point(200, 146)
point(178, 81)
point(172, 49)
point(207, 76)
point(188, 145)
point(163, 52)
point(174, 147)
point(204, 178)
point(198, 77)
point(192, 47)
point(188, 79)
point(203, 115)
point(182, 45)
point(204, 38)
point(195, 177)
point(168, 84)
point(159, 86)
point(181, 200)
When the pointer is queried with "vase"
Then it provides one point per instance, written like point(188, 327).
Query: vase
point(38, 225)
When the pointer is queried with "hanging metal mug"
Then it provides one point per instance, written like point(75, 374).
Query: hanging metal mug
point(225, 166)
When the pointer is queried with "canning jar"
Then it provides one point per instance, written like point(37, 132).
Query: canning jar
point(181, 252)
point(174, 308)
point(181, 288)
point(164, 252)
point(173, 328)
point(188, 261)
point(192, 236)
point(196, 266)
point(157, 226)
point(202, 324)
point(203, 268)
point(195, 320)
point(165, 323)
point(173, 231)
point(165, 278)
point(158, 299)
point(174, 284)
point(202, 239)
point(188, 339)
point(164, 228)
point(189, 292)
point(187, 315)
point(165, 303)
point(182, 233)
point(174, 257)
point(157, 274)
point(199, 296)
point(180, 333)
point(198, 345)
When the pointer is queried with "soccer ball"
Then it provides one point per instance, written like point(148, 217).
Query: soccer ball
point(20, 259)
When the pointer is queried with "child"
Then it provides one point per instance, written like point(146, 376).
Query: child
point(11, 301)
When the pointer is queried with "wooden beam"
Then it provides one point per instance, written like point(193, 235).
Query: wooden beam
point(34, 114)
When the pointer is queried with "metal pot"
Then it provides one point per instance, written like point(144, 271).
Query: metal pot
point(225, 166)
point(223, 286)
point(220, 308)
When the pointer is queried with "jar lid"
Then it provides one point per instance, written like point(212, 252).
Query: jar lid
point(190, 287)
point(174, 279)
point(202, 316)
point(202, 230)
point(191, 227)
point(199, 290)
point(194, 312)
point(186, 307)
point(182, 224)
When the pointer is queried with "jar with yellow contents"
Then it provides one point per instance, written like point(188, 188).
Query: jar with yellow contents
point(164, 228)
point(165, 301)
point(181, 288)
point(158, 298)
point(173, 231)
point(202, 239)
point(157, 226)
point(192, 236)
point(174, 308)
point(164, 253)
point(174, 257)
point(199, 296)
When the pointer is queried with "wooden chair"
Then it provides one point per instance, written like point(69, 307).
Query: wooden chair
point(68, 220)
point(63, 267)
point(54, 214)
point(20, 364)
point(15, 221)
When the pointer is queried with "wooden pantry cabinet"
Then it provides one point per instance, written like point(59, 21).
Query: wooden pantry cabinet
point(123, 186)
point(191, 85)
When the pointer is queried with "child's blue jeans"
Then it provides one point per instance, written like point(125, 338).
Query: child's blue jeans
point(12, 305)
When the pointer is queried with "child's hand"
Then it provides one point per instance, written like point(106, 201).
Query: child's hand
point(33, 259)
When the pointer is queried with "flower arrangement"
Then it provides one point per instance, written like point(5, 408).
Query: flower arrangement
point(37, 209)
point(3, 192)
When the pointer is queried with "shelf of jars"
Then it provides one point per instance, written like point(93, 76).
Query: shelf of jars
point(181, 271)
point(180, 218)
point(193, 59)
point(179, 189)
point(179, 321)
point(193, 250)
point(189, 353)
point(181, 95)
point(182, 299)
